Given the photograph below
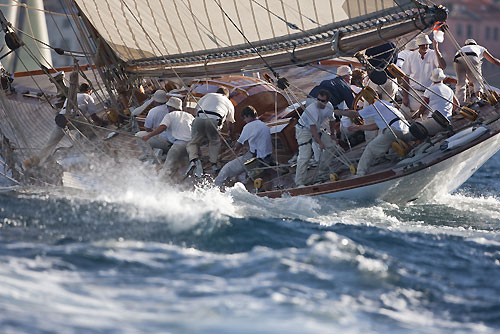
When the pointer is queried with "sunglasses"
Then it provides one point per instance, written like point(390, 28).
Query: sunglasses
point(322, 101)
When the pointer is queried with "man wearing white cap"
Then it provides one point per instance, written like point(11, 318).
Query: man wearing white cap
point(339, 88)
point(178, 124)
point(164, 140)
point(440, 98)
point(158, 98)
point(474, 54)
point(418, 67)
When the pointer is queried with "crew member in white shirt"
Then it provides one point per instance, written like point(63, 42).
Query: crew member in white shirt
point(213, 110)
point(258, 136)
point(383, 113)
point(438, 97)
point(164, 140)
point(307, 130)
point(402, 55)
point(159, 97)
point(179, 124)
point(475, 54)
point(418, 68)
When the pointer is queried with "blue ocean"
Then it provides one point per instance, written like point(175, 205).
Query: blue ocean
point(139, 258)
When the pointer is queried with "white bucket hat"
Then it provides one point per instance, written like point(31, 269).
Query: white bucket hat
point(411, 45)
point(344, 70)
point(423, 40)
point(470, 41)
point(437, 75)
point(175, 103)
point(160, 96)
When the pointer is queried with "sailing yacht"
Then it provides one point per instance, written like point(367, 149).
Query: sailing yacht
point(269, 54)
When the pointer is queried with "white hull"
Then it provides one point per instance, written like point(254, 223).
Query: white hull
point(443, 177)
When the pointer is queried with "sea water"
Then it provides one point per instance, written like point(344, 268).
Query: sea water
point(139, 258)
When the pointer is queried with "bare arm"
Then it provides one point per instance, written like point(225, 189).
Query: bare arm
point(422, 108)
point(237, 147)
point(332, 129)
point(368, 127)
point(347, 113)
point(490, 58)
point(315, 135)
point(157, 131)
point(406, 87)
point(441, 61)
point(455, 104)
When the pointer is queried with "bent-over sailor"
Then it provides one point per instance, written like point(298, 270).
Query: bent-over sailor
point(213, 110)
point(178, 123)
point(258, 136)
point(440, 98)
point(467, 63)
point(164, 140)
point(384, 114)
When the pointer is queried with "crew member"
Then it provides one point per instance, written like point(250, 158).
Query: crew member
point(474, 54)
point(383, 113)
point(178, 123)
point(86, 108)
point(439, 98)
point(418, 67)
point(258, 136)
point(307, 130)
point(213, 110)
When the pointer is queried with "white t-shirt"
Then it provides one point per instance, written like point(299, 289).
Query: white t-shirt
point(420, 69)
point(218, 103)
point(402, 55)
point(477, 49)
point(179, 124)
point(388, 113)
point(258, 135)
point(443, 101)
point(85, 103)
point(154, 118)
point(314, 115)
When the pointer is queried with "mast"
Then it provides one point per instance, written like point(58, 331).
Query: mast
point(32, 22)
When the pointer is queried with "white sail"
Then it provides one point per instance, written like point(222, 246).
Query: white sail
point(190, 31)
